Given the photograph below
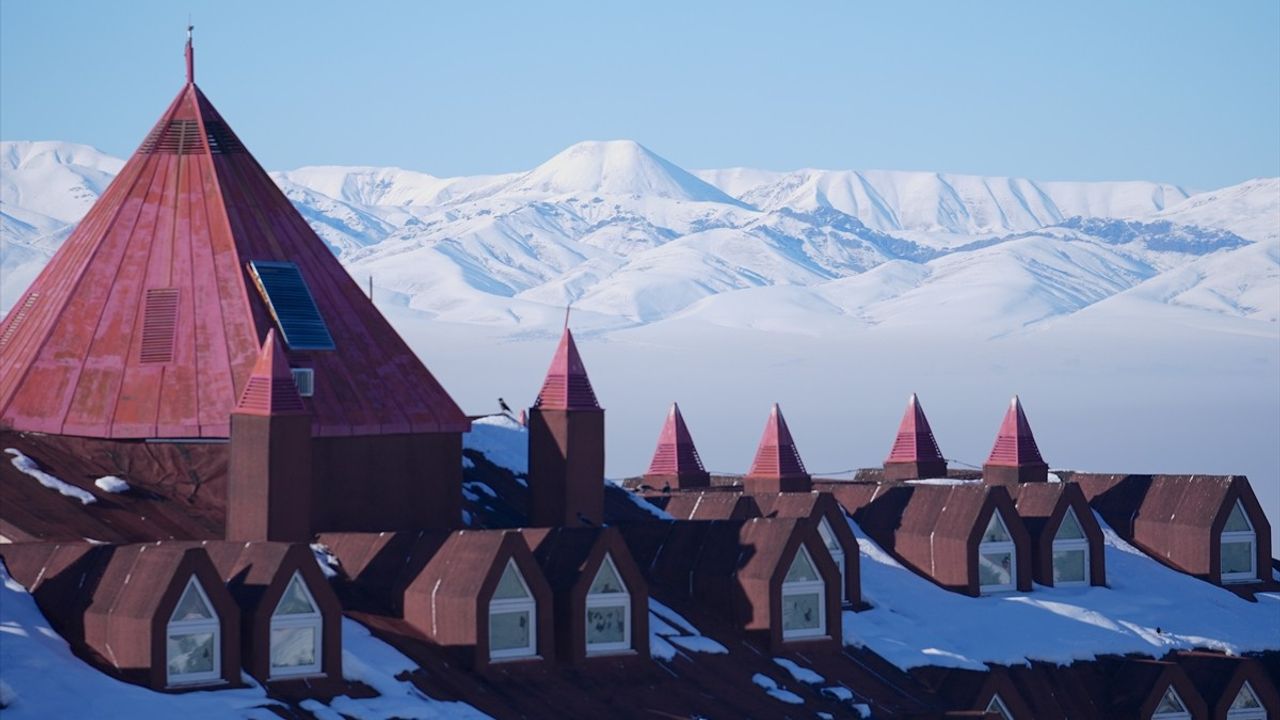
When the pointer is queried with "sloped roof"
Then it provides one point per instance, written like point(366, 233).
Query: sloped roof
point(147, 323)
point(915, 441)
point(567, 386)
point(777, 455)
point(676, 454)
point(711, 505)
point(1015, 444)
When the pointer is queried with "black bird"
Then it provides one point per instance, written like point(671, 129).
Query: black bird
point(506, 409)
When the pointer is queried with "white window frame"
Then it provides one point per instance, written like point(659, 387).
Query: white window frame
point(312, 620)
point(1258, 713)
point(806, 587)
point(604, 600)
point(191, 627)
point(1070, 545)
point(502, 606)
point(837, 554)
point(305, 380)
point(999, 547)
point(1240, 536)
point(997, 706)
point(1184, 715)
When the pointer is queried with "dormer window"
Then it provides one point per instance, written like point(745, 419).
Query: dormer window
point(513, 617)
point(1171, 707)
point(1070, 552)
point(804, 600)
point(193, 640)
point(837, 554)
point(1238, 553)
point(1246, 706)
point(608, 611)
point(998, 707)
point(296, 632)
point(997, 562)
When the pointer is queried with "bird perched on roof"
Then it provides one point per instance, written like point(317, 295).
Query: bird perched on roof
point(506, 409)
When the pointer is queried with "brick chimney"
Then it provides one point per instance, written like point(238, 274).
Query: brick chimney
point(777, 466)
point(1015, 457)
point(915, 452)
point(675, 461)
point(566, 445)
point(269, 478)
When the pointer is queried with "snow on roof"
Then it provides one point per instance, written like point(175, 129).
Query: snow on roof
point(1148, 609)
point(501, 440)
point(29, 467)
point(111, 484)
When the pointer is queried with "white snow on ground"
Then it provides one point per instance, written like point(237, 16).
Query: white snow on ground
point(777, 693)
point(29, 466)
point(502, 441)
point(668, 629)
point(40, 678)
point(111, 484)
point(1148, 609)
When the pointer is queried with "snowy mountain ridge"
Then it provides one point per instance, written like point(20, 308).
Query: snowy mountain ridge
point(630, 238)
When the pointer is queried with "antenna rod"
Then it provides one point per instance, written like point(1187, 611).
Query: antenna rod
point(191, 55)
point(371, 287)
point(567, 308)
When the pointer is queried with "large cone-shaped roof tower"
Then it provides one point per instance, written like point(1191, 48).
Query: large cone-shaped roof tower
point(149, 320)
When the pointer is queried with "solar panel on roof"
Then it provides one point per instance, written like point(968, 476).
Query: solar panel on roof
point(291, 304)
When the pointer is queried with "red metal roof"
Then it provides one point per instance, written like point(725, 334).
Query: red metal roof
point(271, 390)
point(915, 441)
point(676, 453)
point(1015, 445)
point(776, 456)
point(567, 386)
point(145, 323)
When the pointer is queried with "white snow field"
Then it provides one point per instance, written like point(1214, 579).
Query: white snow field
point(1130, 310)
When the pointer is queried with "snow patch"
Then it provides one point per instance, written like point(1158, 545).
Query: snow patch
point(112, 484)
point(502, 441)
point(771, 687)
point(800, 674)
point(28, 466)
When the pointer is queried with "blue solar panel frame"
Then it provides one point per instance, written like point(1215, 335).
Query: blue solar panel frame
point(291, 304)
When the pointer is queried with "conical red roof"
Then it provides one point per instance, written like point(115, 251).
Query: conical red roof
point(567, 386)
point(915, 441)
point(776, 456)
point(676, 453)
point(148, 323)
point(1015, 445)
point(271, 389)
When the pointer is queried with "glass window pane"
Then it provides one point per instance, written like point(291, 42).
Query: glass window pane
point(996, 531)
point(801, 568)
point(509, 630)
point(1237, 557)
point(995, 568)
point(1170, 703)
point(801, 611)
point(1069, 529)
point(828, 535)
point(190, 653)
point(606, 624)
point(511, 585)
point(293, 647)
point(1237, 521)
point(191, 606)
point(1245, 699)
point(997, 706)
point(295, 600)
point(1068, 566)
point(607, 580)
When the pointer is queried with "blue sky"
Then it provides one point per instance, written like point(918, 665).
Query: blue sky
point(1174, 91)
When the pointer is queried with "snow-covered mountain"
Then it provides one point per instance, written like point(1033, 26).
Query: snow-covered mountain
point(630, 238)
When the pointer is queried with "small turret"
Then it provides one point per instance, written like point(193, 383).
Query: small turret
point(915, 452)
point(1015, 457)
point(675, 461)
point(777, 466)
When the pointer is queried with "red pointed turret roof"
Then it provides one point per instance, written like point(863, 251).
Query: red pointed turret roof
point(777, 455)
point(915, 441)
point(676, 453)
point(147, 322)
point(271, 389)
point(567, 386)
point(1015, 445)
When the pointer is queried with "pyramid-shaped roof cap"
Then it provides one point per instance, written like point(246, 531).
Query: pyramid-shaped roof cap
point(567, 386)
point(776, 456)
point(271, 389)
point(915, 441)
point(1015, 445)
point(149, 319)
point(676, 453)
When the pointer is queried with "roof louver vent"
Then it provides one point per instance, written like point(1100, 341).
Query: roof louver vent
point(221, 140)
point(16, 318)
point(159, 323)
point(178, 137)
point(291, 305)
